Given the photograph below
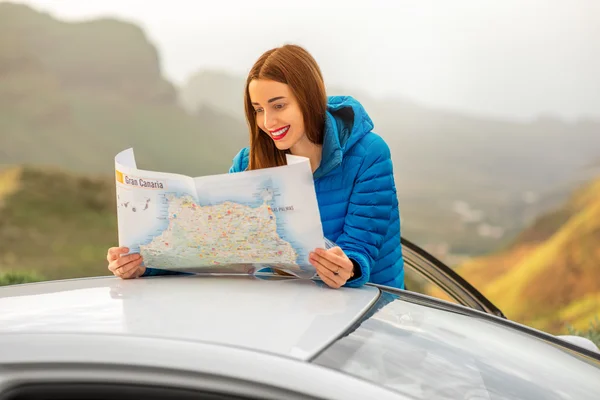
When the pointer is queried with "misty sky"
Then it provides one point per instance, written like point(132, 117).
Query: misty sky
point(506, 58)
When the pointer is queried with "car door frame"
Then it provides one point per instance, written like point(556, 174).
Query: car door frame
point(438, 273)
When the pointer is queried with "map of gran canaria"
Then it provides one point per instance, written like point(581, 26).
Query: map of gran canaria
point(225, 233)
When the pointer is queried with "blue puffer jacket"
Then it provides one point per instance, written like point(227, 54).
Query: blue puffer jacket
point(356, 193)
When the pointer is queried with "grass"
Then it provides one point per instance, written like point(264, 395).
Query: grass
point(57, 224)
point(592, 332)
point(18, 277)
point(558, 272)
point(551, 277)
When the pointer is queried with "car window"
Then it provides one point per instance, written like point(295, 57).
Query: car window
point(427, 275)
point(424, 350)
point(417, 282)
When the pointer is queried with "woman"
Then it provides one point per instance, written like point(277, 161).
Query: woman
point(288, 111)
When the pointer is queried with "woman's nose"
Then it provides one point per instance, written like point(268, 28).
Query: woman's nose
point(269, 121)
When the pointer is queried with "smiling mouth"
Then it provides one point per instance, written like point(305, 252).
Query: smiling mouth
point(280, 133)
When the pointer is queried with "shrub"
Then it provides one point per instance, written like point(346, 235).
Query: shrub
point(592, 333)
point(15, 278)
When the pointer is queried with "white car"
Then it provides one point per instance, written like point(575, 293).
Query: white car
point(273, 337)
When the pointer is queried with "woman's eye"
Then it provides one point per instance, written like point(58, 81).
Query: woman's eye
point(258, 110)
point(279, 106)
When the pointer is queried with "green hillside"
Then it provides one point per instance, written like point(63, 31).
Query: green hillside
point(74, 94)
point(55, 225)
point(550, 275)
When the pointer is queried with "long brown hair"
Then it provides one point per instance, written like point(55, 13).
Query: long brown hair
point(294, 66)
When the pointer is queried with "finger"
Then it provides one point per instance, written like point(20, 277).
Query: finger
point(124, 261)
point(121, 261)
point(140, 271)
point(337, 250)
point(325, 272)
point(321, 259)
point(335, 259)
point(121, 270)
point(132, 272)
point(109, 255)
point(333, 267)
point(113, 252)
point(330, 282)
point(130, 267)
point(336, 272)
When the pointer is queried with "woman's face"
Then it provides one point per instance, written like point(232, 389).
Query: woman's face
point(278, 113)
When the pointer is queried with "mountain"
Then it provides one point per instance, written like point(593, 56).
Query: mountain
point(216, 88)
point(549, 276)
point(466, 184)
point(74, 94)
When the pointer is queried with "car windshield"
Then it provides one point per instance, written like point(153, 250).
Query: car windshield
point(425, 352)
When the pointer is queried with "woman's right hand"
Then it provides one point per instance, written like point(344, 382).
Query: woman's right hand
point(126, 267)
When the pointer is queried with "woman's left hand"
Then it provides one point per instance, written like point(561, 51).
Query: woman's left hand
point(333, 266)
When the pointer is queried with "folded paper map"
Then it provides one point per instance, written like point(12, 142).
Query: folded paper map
point(241, 222)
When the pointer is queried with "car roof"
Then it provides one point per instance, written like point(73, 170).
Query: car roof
point(284, 316)
point(392, 338)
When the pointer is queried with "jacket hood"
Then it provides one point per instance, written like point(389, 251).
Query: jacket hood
point(346, 122)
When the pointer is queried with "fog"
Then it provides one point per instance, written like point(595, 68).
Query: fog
point(510, 59)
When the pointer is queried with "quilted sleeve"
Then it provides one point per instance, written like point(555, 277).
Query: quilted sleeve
point(240, 161)
point(369, 210)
